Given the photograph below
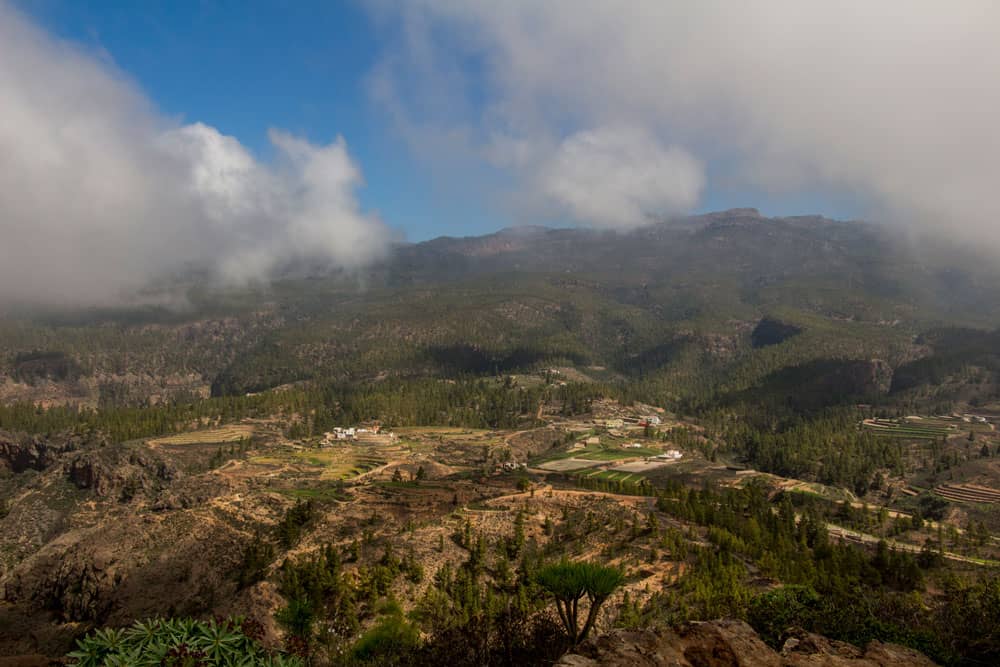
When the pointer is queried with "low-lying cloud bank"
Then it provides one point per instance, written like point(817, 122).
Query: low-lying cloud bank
point(99, 193)
point(612, 112)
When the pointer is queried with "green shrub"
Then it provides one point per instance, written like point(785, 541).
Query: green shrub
point(390, 640)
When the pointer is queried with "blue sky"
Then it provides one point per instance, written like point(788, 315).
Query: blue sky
point(305, 67)
point(247, 67)
point(245, 137)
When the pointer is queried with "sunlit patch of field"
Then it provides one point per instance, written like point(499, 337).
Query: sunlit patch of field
point(342, 461)
point(642, 466)
point(234, 433)
point(567, 464)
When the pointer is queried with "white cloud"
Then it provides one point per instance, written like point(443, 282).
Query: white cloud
point(619, 177)
point(99, 194)
point(894, 101)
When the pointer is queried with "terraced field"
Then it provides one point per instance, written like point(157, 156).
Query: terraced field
point(968, 493)
point(233, 433)
point(912, 429)
point(929, 428)
point(343, 461)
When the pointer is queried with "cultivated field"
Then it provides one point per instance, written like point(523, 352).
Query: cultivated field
point(924, 428)
point(567, 465)
point(233, 433)
point(341, 461)
point(968, 493)
point(642, 466)
point(611, 475)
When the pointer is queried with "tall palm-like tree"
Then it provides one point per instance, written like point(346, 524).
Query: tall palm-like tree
point(569, 583)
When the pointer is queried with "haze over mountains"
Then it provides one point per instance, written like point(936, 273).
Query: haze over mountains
point(107, 191)
point(396, 334)
point(543, 385)
point(680, 301)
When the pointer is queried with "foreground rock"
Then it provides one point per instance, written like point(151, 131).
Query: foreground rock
point(729, 643)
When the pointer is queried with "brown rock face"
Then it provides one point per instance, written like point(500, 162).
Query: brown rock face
point(114, 472)
point(20, 453)
point(729, 643)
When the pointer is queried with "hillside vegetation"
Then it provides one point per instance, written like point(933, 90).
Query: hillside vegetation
point(485, 451)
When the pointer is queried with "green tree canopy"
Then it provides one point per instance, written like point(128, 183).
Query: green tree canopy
point(569, 582)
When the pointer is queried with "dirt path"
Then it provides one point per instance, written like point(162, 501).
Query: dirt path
point(841, 533)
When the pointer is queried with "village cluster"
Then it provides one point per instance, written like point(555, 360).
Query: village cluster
point(354, 433)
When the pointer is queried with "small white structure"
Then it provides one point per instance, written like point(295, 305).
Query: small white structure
point(652, 420)
point(339, 433)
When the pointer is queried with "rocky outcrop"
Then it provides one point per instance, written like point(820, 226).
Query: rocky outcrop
point(130, 566)
point(116, 472)
point(109, 471)
point(805, 648)
point(730, 643)
point(21, 452)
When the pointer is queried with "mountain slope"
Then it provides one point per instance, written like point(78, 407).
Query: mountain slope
point(675, 302)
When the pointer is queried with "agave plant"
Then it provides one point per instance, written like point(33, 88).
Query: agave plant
point(178, 642)
point(144, 633)
point(89, 653)
point(220, 642)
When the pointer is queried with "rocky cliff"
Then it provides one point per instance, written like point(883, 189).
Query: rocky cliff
point(729, 643)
